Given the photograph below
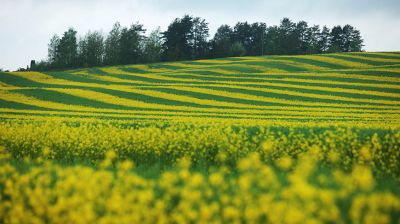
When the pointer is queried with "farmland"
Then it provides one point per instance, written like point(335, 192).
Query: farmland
point(279, 139)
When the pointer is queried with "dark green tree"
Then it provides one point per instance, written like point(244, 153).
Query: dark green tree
point(288, 40)
point(199, 43)
point(242, 34)
point(336, 39)
point(91, 49)
point(130, 44)
point(178, 39)
point(324, 40)
point(258, 33)
point(153, 46)
point(68, 49)
point(238, 49)
point(272, 41)
point(52, 52)
point(313, 35)
point(301, 38)
point(251, 36)
point(221, 44)
point(352, 41)
point(111, 46)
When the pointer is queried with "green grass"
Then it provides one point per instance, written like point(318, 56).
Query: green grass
point(241, 71)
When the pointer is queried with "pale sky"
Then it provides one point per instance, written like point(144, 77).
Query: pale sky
point(26, 26)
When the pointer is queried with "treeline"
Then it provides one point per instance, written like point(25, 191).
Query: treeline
point(187, 38)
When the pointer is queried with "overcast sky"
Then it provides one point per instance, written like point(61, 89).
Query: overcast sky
point(26, 26)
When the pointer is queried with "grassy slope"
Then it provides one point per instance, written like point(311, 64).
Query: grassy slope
point(332, 174)
point(352, 86)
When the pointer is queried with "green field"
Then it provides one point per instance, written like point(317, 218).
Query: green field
point(272, 139)
point(344, 87)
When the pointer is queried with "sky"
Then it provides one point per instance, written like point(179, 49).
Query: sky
point(26, 26)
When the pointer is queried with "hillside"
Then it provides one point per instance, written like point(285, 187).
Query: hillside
point(274, 139)
point(342, 87)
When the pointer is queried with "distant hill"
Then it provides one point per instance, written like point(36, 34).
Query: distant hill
point(345, 87)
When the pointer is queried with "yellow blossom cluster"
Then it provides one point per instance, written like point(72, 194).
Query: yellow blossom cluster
point(209, 144)
point(250, 192)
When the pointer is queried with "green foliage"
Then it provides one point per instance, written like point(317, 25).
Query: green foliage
point(222, 42)
point(129, 44)
point(112, 47)
point(91, 49)
point(186, 38)
point(67, 50)
point(153, 46)
point(238, 49)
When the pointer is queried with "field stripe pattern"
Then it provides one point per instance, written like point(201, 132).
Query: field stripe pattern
point(347, 86)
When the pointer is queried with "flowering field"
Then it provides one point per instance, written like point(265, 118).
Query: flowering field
point(275, 139)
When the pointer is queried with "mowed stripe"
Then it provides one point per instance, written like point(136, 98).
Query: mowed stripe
point(265, 115)
point(345, 90)
point(389, 90)
point(333, 78)
point(365, 60)
point(160, 79)
point(188, 99)
point(326, 97)
point(212, 93)
point(85, 94)
point(358, 86)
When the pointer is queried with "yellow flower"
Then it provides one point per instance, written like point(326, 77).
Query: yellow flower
point(365, 152)
point(268, 146)
point(230, 213)
point(46, 151)
point(126, 165)
point(216, 179)
point(333, 156)
point(185, 163)
point(111, 154)
point(284, 163)
point(362, 176)
point(196, 180)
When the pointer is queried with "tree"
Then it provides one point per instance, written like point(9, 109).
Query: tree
point(153, 46)
point(272, 41)
point(324, 40)
point(52, 52)
point(288, 43)
point(199, 34)
point(41, 66)
point(111, 46)
point(346, 39)
point(242, 34)
point(352, 41)
point(238, 49)
point(357, 42)
point(68, 49)
point(336, 39)
point(313, 34)
point(95, 48)
point(186, 39)
point(177, 39)
point(221, 44)
point(250, 36)
point(301, 38)
point(258, 31)
point(130, 44)
point(91, 49)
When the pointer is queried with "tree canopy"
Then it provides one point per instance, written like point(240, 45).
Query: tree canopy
point(187, 38)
